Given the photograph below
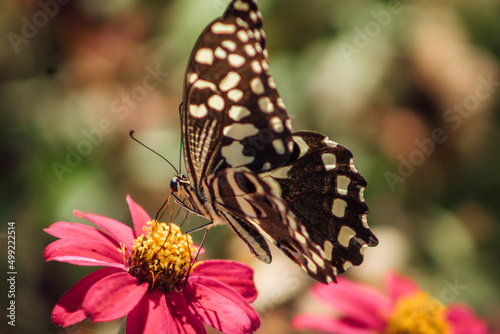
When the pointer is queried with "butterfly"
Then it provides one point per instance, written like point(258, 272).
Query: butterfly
point(247, 169)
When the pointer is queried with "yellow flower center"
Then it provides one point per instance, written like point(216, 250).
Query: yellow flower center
point(161, 256)
point(418, 314)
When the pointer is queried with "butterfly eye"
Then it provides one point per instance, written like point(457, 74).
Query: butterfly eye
point(174, 184)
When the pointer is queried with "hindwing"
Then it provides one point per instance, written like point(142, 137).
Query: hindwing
point(323, 189)
point(253, 208)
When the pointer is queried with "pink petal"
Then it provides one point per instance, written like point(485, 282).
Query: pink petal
point(182, 318)
point(399, 286)
point(68, 310)
point(328, 325)
point(360, 302)
point(151, 314)
point(119, 231)
point(77, 231)
point(464, 321)
point(113, 297)
point(230, 294)
point(139, 216)
point(216, 310)
point(84, 253)
point(237, 275)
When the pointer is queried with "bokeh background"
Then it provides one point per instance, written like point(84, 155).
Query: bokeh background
point(410, 87)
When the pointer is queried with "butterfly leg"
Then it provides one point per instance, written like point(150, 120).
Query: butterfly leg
point(204, 226)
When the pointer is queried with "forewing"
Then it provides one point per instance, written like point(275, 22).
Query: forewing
point(232, 114)
point(240, 193)
point(324, 190)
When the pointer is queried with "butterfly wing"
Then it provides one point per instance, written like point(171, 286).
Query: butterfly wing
point(325, 192)
point(232, 114)
point(250, 204)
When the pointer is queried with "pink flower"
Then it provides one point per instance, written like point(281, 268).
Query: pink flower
point(143, 276)
point(406, 309)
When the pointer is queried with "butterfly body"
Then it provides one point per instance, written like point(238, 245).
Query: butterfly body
point(245, 167)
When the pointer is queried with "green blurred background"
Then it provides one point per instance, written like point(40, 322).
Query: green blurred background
point(410, 87)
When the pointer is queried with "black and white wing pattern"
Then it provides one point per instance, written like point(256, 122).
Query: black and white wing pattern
point(247, 170)
point(323, 189)
point(232, 114)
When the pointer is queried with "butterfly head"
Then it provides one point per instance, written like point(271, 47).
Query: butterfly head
point(178, 182)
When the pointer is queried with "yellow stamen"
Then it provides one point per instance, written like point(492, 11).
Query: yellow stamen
point(418, 314)
point(161, 256)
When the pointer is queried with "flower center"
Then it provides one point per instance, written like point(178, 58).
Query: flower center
point(419, 314)
point(161, 256)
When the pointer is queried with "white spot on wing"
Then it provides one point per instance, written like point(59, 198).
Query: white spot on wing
point(281, 173)
point(220, 53)
point(237, 113)
point(342, 184)
point(265, 105)
point(222, 28)
point(228, 44)
point(362, 249)
point(300, 238)
point(253, 16)
point(265, 64)
point(233, 154)
point(216, 102)
point(329, 142)
point(278, 146)
point(242, 36)
point(361, 194)
point(328, 250)
point(347, 264)
point(338, 208)
point(240, 131)
point(198, 111)
point(271, 83)
point(351, 165)
point(256, 66)
point(241, 6)
point(311, 266)
point(204, 56)
point(231, 80)
point(329, 161)
point(276, 124)
point(364, 220)
point(235, 95)
point(345, 235)
point(257, 86)
point(192, 78)
point(318, 260)
point(202, 84)
point(235, 60)
point(302, 145)
point(250, 50)
point(241, 23)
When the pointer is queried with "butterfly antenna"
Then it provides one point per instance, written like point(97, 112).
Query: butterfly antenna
point(131, 134)
point(182, 143)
